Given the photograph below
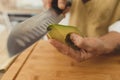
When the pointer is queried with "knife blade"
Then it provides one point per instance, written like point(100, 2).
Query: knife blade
point(31, 30)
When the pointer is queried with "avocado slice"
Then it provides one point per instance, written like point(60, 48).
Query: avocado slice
point(62, 33)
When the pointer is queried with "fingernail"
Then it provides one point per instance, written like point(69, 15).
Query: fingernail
point(77, 39)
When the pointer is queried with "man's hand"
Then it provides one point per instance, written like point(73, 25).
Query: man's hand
point(61, 4)
point(89, 47)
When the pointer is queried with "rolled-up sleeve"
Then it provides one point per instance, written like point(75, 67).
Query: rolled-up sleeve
point(115, 27)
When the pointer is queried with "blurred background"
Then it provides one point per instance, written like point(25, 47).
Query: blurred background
point(15, 11)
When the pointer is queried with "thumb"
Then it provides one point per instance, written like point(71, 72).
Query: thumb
point(82, 43)
point(76, 39)
point(88, 44)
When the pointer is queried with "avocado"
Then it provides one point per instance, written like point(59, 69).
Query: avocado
point(62, 33)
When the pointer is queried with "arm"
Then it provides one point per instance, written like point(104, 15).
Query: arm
point(113, 37)
point(112, 41)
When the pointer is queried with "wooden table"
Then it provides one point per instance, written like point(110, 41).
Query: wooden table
point(43, 62)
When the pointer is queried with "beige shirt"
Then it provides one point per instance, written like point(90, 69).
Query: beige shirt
point(94, 16)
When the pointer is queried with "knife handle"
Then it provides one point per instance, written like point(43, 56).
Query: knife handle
point(58, 10)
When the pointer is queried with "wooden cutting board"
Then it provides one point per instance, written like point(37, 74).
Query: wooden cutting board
point(44, 62)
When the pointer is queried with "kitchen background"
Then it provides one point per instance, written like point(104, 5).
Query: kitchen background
point(15, 11)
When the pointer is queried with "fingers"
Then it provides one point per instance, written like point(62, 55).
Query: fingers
point(91, 45)
point(83, 43)
point(63, 48)
point(66, 50)
point(62, 4)
point(47, 3)
point(60, 46)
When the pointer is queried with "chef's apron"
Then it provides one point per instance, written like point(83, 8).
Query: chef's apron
point(93, 17)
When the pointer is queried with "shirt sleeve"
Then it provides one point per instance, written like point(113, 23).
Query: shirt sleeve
point(115, 27)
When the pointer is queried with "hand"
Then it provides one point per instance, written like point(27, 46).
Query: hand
point(61, 3)
point(89, 47)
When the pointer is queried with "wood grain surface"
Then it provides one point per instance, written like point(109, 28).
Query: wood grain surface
point(18, 64)
point(46, 63)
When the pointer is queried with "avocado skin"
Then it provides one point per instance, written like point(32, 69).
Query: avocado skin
point(62, 34)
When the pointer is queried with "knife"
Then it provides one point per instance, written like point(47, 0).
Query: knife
point(33, 29)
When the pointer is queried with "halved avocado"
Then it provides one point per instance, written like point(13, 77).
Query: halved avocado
point(62, 33)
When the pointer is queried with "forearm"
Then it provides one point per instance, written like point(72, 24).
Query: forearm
point(112, 42)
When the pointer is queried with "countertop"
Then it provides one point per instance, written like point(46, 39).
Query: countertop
point(43, 62)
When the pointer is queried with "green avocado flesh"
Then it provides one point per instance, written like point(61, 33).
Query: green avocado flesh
point(62, 32)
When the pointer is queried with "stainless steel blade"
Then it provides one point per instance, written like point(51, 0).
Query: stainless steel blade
point(31, 30)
